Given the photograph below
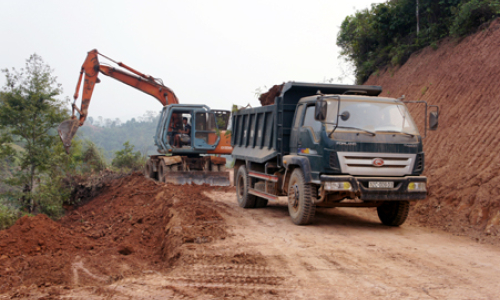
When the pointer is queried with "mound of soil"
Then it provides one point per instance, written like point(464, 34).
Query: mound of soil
point(267, 98)
point(133, 225)
point(462, 160)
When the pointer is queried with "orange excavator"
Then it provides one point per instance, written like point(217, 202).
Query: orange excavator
point(187, 135)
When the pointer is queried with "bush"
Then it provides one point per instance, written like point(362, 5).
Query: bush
point(93, 157)
point(470, 15)
point(51, 195)
point(128, 159)
point(8, 216)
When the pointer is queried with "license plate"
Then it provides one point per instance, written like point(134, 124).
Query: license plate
point(381, 184)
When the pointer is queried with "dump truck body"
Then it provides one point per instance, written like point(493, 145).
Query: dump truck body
point(364, 151)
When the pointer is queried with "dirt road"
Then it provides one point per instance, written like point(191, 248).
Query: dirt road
point(345, 254)
point(260, 254)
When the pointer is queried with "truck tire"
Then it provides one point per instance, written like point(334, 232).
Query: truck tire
point(261, 202)
point(245, 200)
point(301, 198)
point(148, 170)
point(163, 171)
point(393, 213)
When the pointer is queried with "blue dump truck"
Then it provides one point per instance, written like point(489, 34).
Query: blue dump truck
point(327, 145)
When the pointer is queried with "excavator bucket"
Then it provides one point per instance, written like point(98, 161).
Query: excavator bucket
point(198, 177)
point(67, 131)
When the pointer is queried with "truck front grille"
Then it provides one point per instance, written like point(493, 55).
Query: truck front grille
point(362, 163)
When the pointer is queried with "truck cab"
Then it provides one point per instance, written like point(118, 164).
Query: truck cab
point(345, 148)
point(353, 136)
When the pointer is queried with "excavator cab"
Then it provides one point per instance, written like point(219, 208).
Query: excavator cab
point(189, 129)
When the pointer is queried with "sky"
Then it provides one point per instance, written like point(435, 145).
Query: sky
point(217, 53)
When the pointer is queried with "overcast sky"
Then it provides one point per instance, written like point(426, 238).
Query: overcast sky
point(210, 52)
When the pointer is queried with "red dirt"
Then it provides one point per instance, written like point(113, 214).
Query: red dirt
point(267, 98)
point(130, 227)
point(462, 161)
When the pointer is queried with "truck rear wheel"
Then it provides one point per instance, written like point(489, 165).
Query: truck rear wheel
point(301, 197)
point(245, 200)
point(393, 213)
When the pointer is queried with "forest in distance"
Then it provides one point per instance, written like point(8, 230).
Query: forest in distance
point(110, 135)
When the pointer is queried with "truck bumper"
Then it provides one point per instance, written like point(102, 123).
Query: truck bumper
point(403, 187)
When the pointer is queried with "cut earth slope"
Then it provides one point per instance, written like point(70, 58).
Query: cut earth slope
point(462, 159)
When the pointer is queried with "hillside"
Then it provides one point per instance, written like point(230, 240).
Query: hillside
point(462, 160)
point(110, 135)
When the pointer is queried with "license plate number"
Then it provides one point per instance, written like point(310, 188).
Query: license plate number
point(381, 184)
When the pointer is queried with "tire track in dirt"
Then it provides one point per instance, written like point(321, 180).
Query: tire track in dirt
point(347, 254)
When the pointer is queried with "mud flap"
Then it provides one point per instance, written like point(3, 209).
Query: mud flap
point(199, 178)
point(67, 131)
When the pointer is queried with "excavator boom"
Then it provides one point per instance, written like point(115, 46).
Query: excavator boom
point(184, 148)
point(89, 74)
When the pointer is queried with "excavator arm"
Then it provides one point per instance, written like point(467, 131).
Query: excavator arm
point(89, 74)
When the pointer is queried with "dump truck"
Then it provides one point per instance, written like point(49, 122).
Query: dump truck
point(328, 145)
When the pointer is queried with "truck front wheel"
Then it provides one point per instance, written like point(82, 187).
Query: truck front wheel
point(245, 200)
point(393, 213)
point(301, 198)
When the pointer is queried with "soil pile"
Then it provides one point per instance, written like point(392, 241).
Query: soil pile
point(267, 98)
point(133, 225)
point(462, 160)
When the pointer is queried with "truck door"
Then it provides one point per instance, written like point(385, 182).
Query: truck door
point(297, 122)
point(205, 131)
point(309, 138)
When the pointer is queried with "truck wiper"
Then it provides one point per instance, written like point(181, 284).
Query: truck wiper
point(395, 131)
point(357, 128)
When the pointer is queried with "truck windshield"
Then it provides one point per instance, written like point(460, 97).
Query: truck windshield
point(379, 116)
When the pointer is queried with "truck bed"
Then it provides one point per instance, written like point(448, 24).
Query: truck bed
point(262, 134)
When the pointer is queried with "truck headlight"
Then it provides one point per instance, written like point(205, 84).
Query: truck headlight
point(338, 186)
point(417, 187)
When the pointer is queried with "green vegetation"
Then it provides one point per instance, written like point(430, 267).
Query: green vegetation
point(8, 216)
point(93, 158)
point(35, 171)
point(387, 33)
point(110, 135)
point(29, 112)
point(472, 14)
point(128, 159)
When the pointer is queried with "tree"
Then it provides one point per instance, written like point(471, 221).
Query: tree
point(127, 158)
point(29, 114)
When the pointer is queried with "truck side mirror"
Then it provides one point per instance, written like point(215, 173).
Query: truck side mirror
point(433, 120)
point(320, 110)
